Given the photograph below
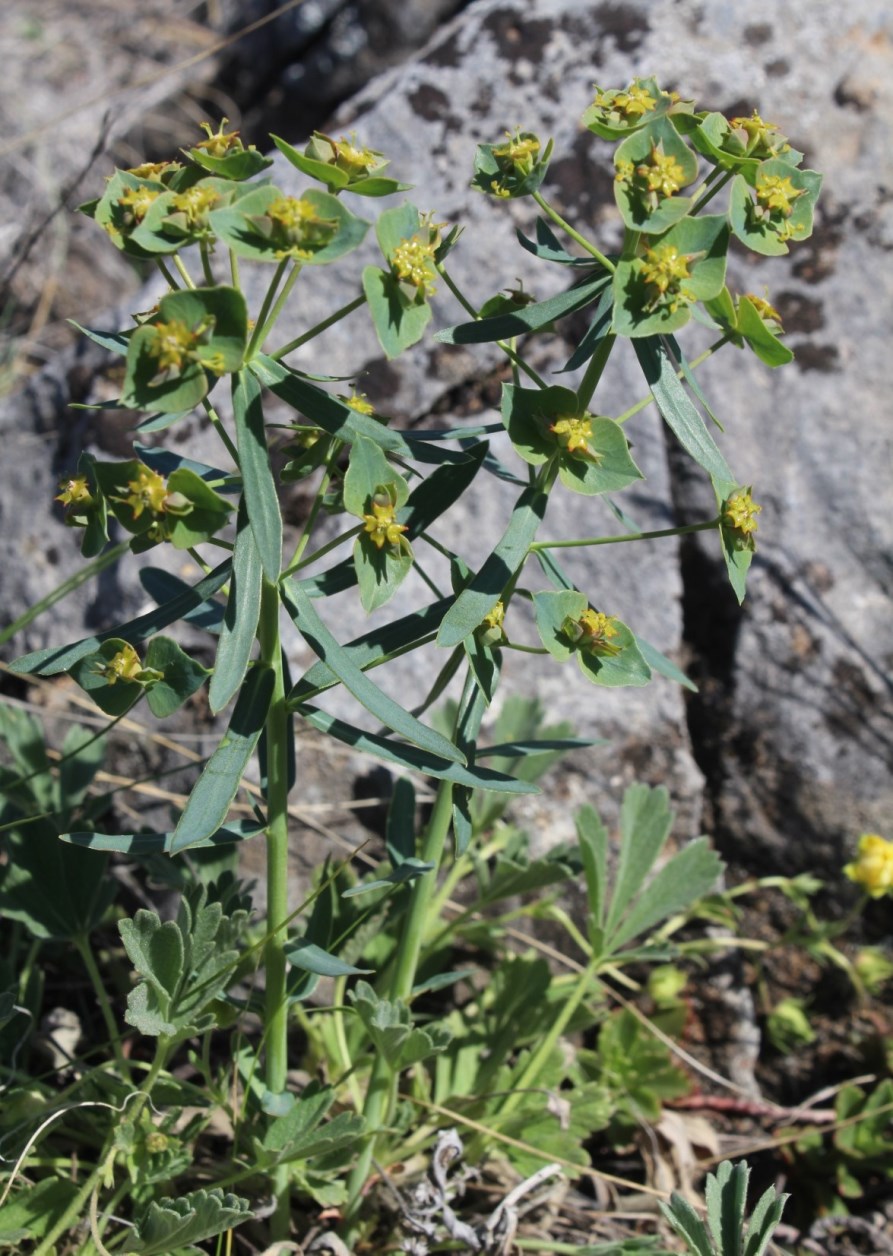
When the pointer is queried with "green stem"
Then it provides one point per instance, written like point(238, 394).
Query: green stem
point(594, 370)
point(509, 351)
point(546, 1045)
point(706, 193)
point(574, 235)
point(706, 526)
point(263, 319)
point(68, 586)
point(206, 265)
point(314, 509)
point(276, 1003)
point(171, 281)
point(322, 551)
point(320, 327)
point(184, 273)
point(234, 269)
point(217, 424)
point(382, 1079)
point(82, 942)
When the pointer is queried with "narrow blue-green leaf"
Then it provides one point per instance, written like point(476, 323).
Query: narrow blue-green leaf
point(334, 416)
point(239, 625)
point(114, 341)
point(408, 870)
point(677, 408)
point(411, 757)
point(547, 246)
point(518, 749)
point(143, 844)
point(595, 333)
point(526, 319)
point(660, 663)
point(313, 959)
point(260, 488)
point(215, 789)
point(438, 491)
point(57, 659)
point(478, 599)
point(165, 462)
point(400, 835)
point(378, 644)
point(162, 586)
point(691, 379)
point(384, 708)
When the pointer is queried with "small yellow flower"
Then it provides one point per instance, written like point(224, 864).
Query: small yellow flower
point(75, 492)
point(147, 492)
point(760, 139)
point(135, 203)
point(574, 434)
point(299, 226)
point(739, 518)
point(664, 269)
point(413, 263)
point(360, 403)
point(353, 158)
point(495, 618)
point(520, 151)
point(156, 1142)
point(125, 665)
point(873, 869)
point(195, 204)
point(154, 169)
point(382, 526)
point(661, 174)
point(766, 311)
point(597, 631)
point(219, 143)
point(775, 193)
point(173, 345)
point(631, 104)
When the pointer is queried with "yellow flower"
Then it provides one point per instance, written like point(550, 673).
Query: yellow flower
point(574, 434)
point(147, 492)
point(299, 226)
point(220, 142)
point(661, 174)
point(353, 158)
point(360, 403)
point(873, 869)
point(173, 345)
point(382, 526)
point(775, 192)
point(739, 518)
point(125, 665)
point(135, 203)
point(761, 139)
point(75, 492)
point(663, 270)
point(520, 151)
point(195, 203)
point(413, 263)
point(154, 169)
point(629, 105)
point(767, 312)
point(598, 629)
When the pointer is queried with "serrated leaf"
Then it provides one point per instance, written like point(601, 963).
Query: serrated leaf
point(240, 619)
point(384, 708)
point(261, 498)
point(593, 839)
point(645, 822)
point(687, 876)
point(170, 1224)
point(31, 1211)
point(209, 802)
point(155, 949)
point(688, 1225)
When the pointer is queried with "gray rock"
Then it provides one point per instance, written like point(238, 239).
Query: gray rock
point(792, 728)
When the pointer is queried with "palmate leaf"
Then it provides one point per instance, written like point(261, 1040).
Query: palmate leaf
point(29, 1213)
point(300, 1133)
point(55, 891)
point(172, 1224)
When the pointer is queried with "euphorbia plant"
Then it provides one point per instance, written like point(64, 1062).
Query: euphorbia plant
point(199, 218)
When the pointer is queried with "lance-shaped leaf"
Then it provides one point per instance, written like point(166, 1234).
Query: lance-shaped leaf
point(412, 757)
point(261, 499)
point(56, 659)
point(240, 619)
point(479, 597)
point(677, 409)
point(162, 586)
point(384, 708)
point(328, 412)
point(209, 802)
point(311, 958)
point(144, 844)
point(528, 318)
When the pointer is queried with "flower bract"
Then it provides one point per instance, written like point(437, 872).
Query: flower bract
point(873, 869)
